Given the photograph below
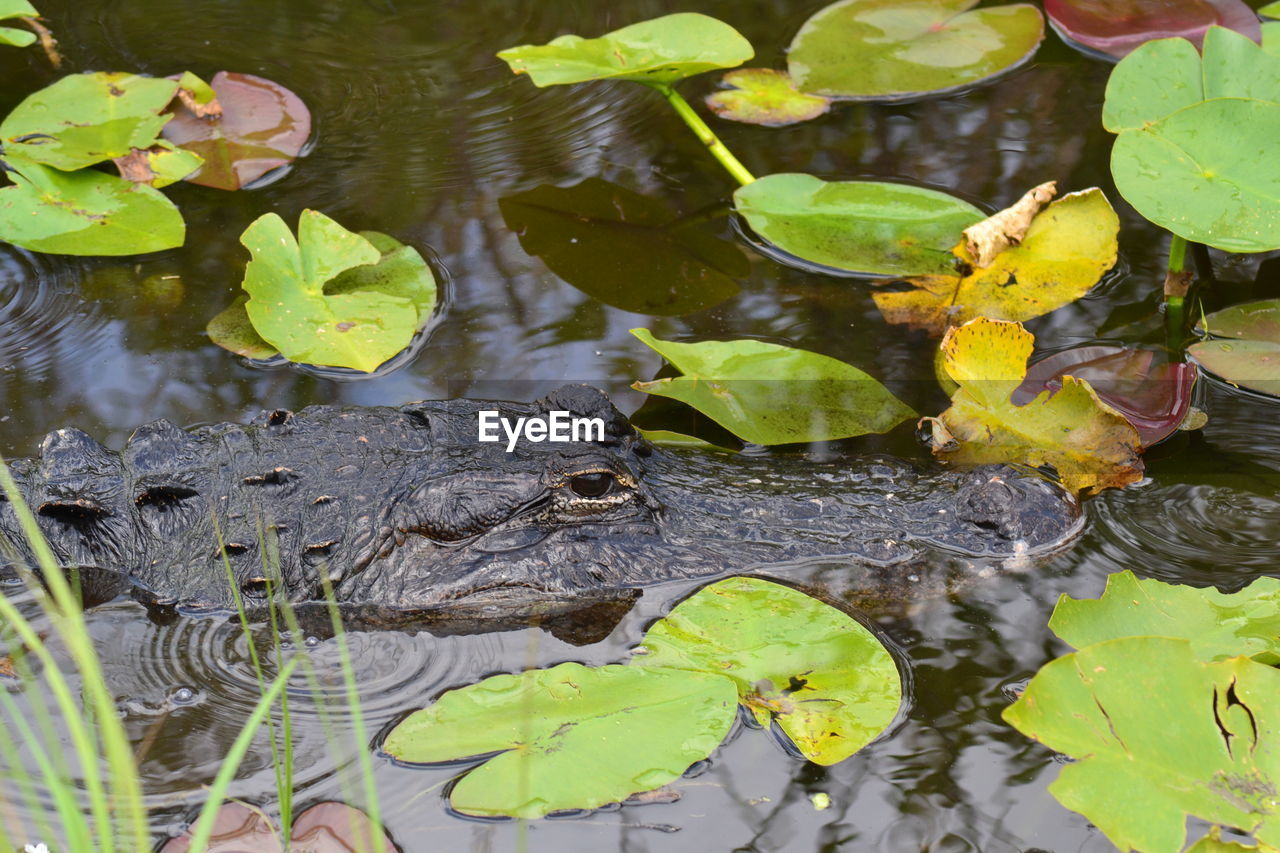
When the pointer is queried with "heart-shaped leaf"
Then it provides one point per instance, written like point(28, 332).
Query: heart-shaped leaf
point(1181, 738)
point(84, 213)
point(1252, 359)
point(1117, 27)
point(84, 119)
point(569, 737)
point(658, 52)
point(1069, 246)
point(1195, 145)
point(1153, 393)
point(866, 227)
point(765, 96)
point(1090, 444)
point(320, 299)
point(826, 680)
point(580, 232)
point(262, 127)
point(899, 50)
point(1218, 625)
point(770, 394)
point(327, 827)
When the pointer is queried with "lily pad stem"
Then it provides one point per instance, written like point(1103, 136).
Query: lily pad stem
point(1177, 282)
point(707, 135)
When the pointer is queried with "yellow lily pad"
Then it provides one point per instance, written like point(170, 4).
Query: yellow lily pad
point(1090, 444)
point(1069, 247)
point(765, 96)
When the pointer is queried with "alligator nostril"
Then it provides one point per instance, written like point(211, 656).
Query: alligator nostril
point(255, 588)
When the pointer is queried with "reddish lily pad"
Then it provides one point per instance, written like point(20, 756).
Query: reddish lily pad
point(1151, 392)
point(765, 96)
point(327, 827)
point(263, 126)
point(1116, 27)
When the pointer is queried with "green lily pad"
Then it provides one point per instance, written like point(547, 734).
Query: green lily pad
point(1218, 625)
point(770, 394)
point(677, 439)
point(898, 50)
point(765, 96)
point(1090, 444)
point(84, 119)
point(1247, 364)
point(1271, 10)
point(658, 52)
point(865, 227)
point(826, 680)
point(580, 232)
point(1159, 735)
point(569, 737)
point(332, 297)
point(232, 330)
point(84, 213)
point(16, 9)
point(1069, 247)
point(1257, 321)
point(1213, 843)
point(1195, 144)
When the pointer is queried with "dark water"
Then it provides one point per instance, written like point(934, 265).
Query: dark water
point(421, 133)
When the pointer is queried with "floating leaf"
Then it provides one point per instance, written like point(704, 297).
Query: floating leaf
point(858, 226)
point(1253, 359)
point(826, 680)
point(84, 119)
point(1271, 10)
point(158, 166)
point(677, 439)
point(1153, 727)
point(898, 50)
point(1151, 392)
point(581, 232)
point(569, 737)
point(16, 9)
point(765, 96)
point(771, 394)
point(1116, 27)
point(320, 299)
point(1068, 248)
point(658, 52)
point(327, 827)
point(1218, 625)
point(1007, 228)
point(1247, 364)
point(1258, 321)
point(1090, 445)
point(232, 330)
point(85, 213)
point(1213, 843)
point(1196, 139)
point(263, 126)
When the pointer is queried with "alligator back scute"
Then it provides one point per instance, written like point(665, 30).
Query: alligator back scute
point(80, 501)
point(169, 471)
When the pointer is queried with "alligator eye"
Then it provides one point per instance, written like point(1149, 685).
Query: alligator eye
point(594, 485)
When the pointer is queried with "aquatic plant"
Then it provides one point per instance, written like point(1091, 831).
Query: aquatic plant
point(1115, 28)
point(1194, 736)
point(576, 737)
point(48, 144)
point(22, 10)
point(328, 296)
point(1244, 347)
point(865, 227)
point(770, 394)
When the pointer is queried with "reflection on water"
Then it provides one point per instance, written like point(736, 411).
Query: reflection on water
point(422, 133)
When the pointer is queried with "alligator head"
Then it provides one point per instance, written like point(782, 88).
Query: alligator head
point(555, 521)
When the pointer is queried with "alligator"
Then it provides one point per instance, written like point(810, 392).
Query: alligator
point(404, 508)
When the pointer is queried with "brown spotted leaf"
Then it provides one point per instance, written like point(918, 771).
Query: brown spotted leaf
point(1069, 246)
point(263, 126)
point(1091, 445)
